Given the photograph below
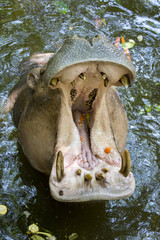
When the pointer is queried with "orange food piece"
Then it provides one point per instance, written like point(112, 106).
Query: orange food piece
point(81, 138)
point(82, 118)
point(122, 40)
point(125, 49)
point(84, 161)
point(107, 150)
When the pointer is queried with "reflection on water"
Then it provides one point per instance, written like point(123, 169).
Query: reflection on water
point(28, 27)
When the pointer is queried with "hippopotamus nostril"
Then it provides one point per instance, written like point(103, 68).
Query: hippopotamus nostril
point(60, 193)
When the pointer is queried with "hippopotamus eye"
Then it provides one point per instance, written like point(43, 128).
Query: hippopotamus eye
point(125, 81)
point(54, 81)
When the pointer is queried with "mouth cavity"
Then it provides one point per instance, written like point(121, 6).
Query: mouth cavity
point(88, 165)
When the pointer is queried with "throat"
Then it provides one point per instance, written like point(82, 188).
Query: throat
point(86, 159)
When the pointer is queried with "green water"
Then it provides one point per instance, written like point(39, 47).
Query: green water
point(38, 26)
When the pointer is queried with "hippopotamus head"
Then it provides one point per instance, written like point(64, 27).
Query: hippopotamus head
point(71, 122)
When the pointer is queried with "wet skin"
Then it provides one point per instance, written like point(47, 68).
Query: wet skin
point(71, 122)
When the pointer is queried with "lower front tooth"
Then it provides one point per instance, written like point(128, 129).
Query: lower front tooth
point(88, 177)
point(99, 176)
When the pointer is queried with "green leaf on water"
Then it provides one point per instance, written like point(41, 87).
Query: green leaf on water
point(157, 83)
point(128, 45)
point(141, 112)
point(73, 236)
point(140, 38)
point(148, 108)
point(62, 7)
point(49, 236)
point(158, 108)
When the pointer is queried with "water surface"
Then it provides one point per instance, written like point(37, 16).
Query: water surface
point(38, 26)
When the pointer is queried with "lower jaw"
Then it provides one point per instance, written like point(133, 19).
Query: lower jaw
point(99, 180)
point(96, 181)
point(76, 188)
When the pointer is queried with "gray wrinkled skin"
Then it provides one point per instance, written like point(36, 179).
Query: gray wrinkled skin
point(68, 112)
point(77, 50)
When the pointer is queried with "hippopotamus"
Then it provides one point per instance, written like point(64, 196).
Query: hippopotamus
point(71, 122)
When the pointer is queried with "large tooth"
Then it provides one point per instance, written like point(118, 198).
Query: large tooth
point(78, 172)
point(104, 77)
point(60, 166)
point(54, 81)
point(125, 82)
point(82, 76)
point(105, 170)
point(126, 163)
point(88, 177)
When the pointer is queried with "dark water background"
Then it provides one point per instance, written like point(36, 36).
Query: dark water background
point(29, 26)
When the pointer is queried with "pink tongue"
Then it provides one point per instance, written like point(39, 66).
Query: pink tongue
point(85, 159)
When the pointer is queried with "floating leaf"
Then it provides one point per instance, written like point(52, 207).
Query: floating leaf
point(148, 108)
point(49, 236)
point(158, 108)
point(33, 228)
point(27, 214)
point(37, 237)
point(73, 236)
point(140, 38)
point(157, 83)
point(141, 112)
point(3, 210)
point(62, 7)
point(103, 21)
point(128, 45)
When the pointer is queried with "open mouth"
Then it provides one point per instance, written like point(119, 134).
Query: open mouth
point(91, 162)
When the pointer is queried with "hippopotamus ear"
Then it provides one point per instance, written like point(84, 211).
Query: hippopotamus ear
point(33, 77)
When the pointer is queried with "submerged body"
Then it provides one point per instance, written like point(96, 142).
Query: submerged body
point(71, 122)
